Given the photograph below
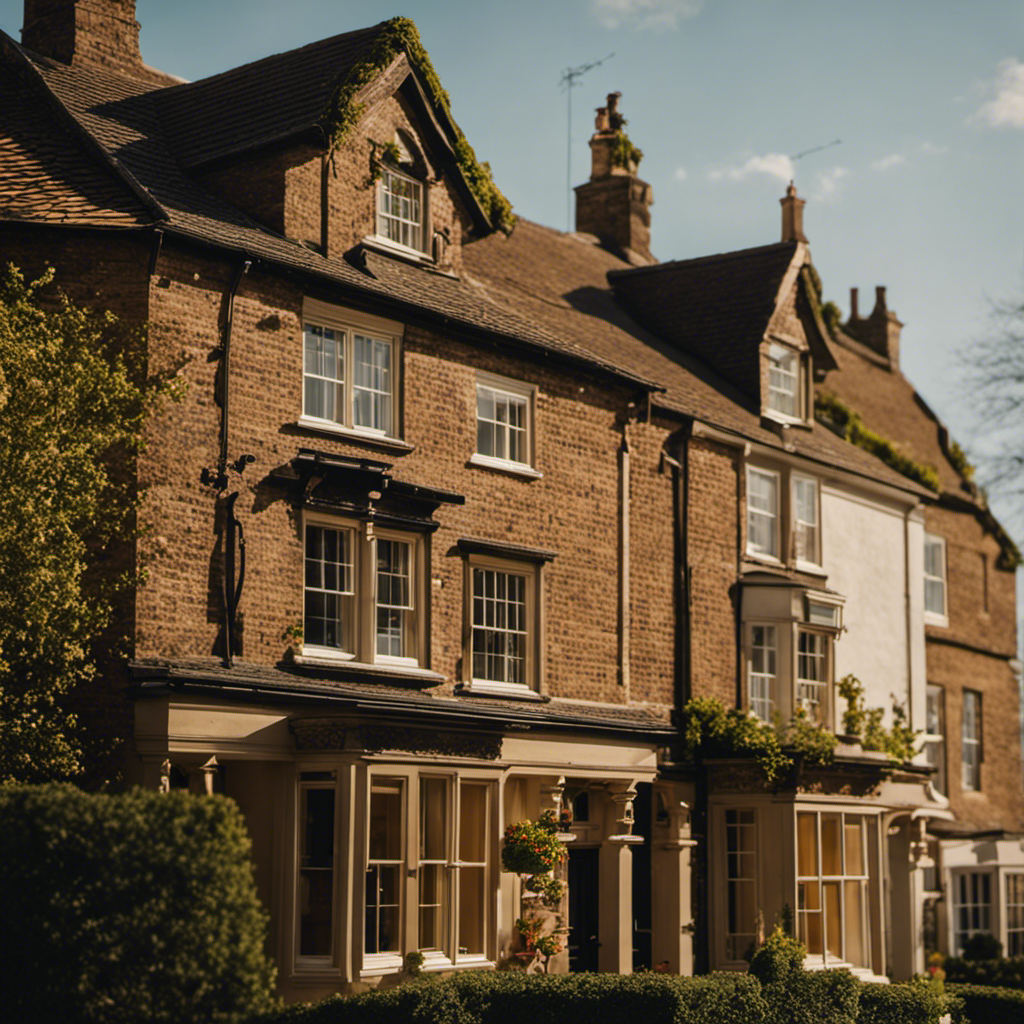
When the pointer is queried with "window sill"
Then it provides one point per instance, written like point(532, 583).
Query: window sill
point(314, 425)
point(758, 556)
point(343, 667)
point(491, 688)
point(784, 419)
point(392, 248)
point(935, 619)
point(505, 466)
point(810, 568)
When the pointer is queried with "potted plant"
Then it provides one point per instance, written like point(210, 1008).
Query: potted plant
point(532, 847)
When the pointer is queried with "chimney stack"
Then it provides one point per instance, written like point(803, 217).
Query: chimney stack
point(880, 331)
point(792, 216)
point(96, 32)
point(615, 203)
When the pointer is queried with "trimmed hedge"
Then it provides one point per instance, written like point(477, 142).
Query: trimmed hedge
point(912, 1002)
point(1006, 972)
point(128, 908)
point(986, 1005)
point(512, 997)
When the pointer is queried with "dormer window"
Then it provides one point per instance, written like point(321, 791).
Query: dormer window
point(784, 381)
point(400, 209)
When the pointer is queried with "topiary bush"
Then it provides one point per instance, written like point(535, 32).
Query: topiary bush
point(138, 907)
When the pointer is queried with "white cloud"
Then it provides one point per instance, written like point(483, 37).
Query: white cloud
point(828, 184)
point(1006, 108)
point(680, 174)
point(888, 162)
point(644, 14)
point(778, 165)
point(932, 149)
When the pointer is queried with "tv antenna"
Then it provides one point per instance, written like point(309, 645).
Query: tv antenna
point(571, 77)
point(817, 149)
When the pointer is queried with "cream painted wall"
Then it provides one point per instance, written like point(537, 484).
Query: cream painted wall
point(871, 547)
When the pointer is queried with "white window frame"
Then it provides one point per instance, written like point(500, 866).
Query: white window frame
point(780, 375)
point(971, 738)
point(388, 223)
point(349, 328)
point(867, 885)
point(364, 605)
point(933, 615)
point(801, 527)
point(532, 574)
point(763, 686)
point(1013, 906)
point(773, 517)
point(449, 956)
point(934, 740)
point(523, 395)
point(973, 907)
point(814, 694)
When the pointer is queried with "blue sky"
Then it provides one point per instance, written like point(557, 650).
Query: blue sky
point(923, 195)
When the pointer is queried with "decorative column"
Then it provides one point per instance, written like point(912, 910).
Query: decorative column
point(671, 912)
point(615, 910)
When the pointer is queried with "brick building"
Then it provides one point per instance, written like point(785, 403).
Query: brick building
point(451, 524)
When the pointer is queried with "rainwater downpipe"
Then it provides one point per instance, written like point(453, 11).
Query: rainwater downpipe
point(229, 589)
point(624, 616)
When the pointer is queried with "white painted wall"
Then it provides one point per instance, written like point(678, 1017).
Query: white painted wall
point(871, 549)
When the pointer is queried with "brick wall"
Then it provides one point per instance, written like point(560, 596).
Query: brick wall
point(574, 510)
point(979, 622)
point(716, 483)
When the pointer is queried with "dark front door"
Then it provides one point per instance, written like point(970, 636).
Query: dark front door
point(583, 887)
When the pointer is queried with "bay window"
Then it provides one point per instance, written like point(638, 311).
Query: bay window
point(836, 890)
point(972, 906)
point(431, 894)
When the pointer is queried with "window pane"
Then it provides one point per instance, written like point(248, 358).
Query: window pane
point(499, 626)
point(395, 611)
point(762, 680)
point(805, 519)
point(783, 395)
point(323, 372)
point(329, 594)
point(473, 822)
point(853, 833)
point(935, 575)
point(741, 882)
point(316, 872)
point(386, 821)
point(372, 387)
point(833, 919)
point(807, 844)
point(762, 512)
point(970, 741)
point(434, 819)
point(472, 910)
point(433, 904)
point(831, 849)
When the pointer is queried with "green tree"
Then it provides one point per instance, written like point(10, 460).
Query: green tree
point(72, 406)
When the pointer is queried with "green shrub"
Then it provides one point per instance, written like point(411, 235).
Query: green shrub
point(1004, 973)
point(983, 946)
point(987, 1005)
point(511, 997)
point(139, 907)
point(914, 1002)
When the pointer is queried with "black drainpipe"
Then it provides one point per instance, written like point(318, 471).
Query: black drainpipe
point(234, 536)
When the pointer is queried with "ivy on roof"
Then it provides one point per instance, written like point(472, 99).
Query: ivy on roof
point(343, 112)
point(847, 423)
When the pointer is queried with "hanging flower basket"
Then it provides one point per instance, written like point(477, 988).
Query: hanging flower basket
point(532, 847)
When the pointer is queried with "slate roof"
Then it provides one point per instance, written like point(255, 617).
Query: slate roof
point(888, 404)
point(716, 307)
point(538, 288)
point(560, 281)
point(122, 116)
point(260, 103)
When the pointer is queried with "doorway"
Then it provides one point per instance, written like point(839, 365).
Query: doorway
point(584, 878)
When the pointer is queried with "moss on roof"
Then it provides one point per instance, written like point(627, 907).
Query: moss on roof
point(343, 113)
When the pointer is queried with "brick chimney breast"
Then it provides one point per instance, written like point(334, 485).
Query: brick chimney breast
point(97, 32)
point(615, 204)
